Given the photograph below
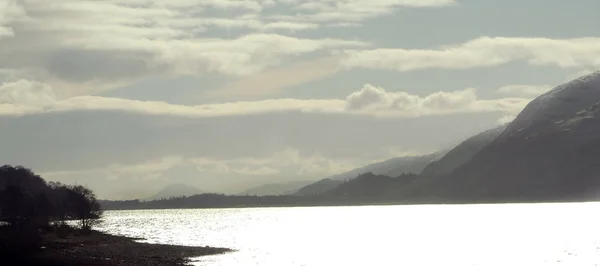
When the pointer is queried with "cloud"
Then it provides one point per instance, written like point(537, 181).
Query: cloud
point(288, 161)
point(215, 175)
point(107, 43)
point(271, 81)
point(525, 90)
point(580, 73)
point(9, 12)
point(24, 92)
point(481, 52)
point(506, 119)
point(261, 171)
point(333, 12)
point(88, 47)
point(152, 169)
point(158, 166)
point(369, 100)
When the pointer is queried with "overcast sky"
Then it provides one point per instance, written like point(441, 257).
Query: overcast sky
point(128, 96)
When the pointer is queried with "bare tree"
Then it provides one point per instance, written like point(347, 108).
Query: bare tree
point(84, 206)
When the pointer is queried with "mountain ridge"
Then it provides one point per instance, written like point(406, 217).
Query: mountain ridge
point(175, 190)
point(274, 189)
point(539, 155)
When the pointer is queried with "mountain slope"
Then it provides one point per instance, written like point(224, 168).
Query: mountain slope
point(175, 190)
point(318, 187)
point(276, 189)
point(549, 152)
point(369, 187)
point(462, 153)
point(393, 167)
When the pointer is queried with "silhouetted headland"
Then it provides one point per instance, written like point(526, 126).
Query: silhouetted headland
point(51, 224)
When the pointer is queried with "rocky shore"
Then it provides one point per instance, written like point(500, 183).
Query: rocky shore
point(99, 249)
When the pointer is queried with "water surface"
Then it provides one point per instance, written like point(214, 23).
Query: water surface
point(512, 234)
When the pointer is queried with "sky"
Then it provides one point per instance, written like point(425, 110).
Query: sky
point(128, 96)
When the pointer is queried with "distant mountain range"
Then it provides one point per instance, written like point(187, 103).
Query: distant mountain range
point(392, 167)
point(286, 188)
point(175, 190)
point(548, 153)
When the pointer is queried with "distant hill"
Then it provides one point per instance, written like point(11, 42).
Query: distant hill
point(287, 188)
point(463, 152)
point(549, 153)
point(318, 187)
point(369, 187)
point(393, 167)
point(175, 190)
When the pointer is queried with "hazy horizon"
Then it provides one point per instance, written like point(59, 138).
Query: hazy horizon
point(130, 96)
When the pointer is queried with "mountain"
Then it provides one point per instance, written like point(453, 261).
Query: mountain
point(369, 187)
point(276, 189)
point(318, 187)
point(463, 152)
point(175, 190)
point(549, 152)
point(393, 167)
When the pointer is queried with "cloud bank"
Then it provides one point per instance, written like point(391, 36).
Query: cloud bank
point(482, 52)
point(26, 97)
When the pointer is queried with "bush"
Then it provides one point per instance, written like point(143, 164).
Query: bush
point(18, 241)
point(63, 230)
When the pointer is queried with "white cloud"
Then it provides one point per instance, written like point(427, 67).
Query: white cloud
point(9, 11)
point(243, 56)
point(287, 161)
point(524, 90)
point(152, 169)
point(369, 100)
point(24, 92)
point(274, 80)
point(506, 119)
point(333, 11)
point(261, 171)
point(215, 175)
point(87, 47)
point(580, 73)
point(482, 52)
point(114, 42)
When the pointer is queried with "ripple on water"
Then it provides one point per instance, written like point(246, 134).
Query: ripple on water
point(511, 234)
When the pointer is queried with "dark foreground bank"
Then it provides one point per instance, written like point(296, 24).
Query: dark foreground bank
point(99, 249)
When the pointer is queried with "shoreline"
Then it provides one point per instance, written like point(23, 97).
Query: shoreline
point(101, 249)
point(149, 206)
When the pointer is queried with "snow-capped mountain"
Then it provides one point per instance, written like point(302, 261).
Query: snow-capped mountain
point(549, 152)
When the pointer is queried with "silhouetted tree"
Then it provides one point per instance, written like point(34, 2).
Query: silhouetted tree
point(84, 206)
point(26, 199)
point(22, 197)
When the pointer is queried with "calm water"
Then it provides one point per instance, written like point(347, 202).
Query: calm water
point(522, 234)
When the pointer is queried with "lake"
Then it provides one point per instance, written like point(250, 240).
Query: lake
point(511, 234)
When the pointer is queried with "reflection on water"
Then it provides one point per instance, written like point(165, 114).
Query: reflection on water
point(513, 234)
